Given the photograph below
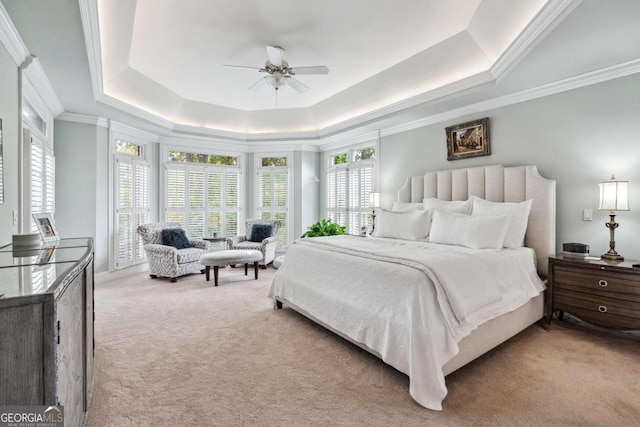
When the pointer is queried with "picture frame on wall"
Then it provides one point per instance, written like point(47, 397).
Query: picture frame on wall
point(470, 139)
point(46, 227)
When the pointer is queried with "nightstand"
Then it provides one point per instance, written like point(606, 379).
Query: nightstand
point(600, 292)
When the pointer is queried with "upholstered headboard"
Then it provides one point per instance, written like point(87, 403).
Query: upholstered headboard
point(497, 184)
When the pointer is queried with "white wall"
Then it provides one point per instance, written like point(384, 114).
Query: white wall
point(9, 113)
point(578, 138)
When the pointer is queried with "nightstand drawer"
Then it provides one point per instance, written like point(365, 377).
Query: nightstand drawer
point(597, 282)
point(608, 312)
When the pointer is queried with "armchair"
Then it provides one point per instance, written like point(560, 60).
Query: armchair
point(167, 261)
point(267, 246)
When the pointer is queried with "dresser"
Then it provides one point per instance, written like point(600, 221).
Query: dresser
point(46, 327)
point(600, 292)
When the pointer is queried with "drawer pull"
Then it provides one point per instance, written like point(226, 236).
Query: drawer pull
point(603, 283)
point(602, 309)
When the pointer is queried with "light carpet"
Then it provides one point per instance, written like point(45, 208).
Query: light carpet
point(191, 354)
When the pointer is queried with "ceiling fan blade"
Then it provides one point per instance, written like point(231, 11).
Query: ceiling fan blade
point(320, 69)
point(242, 66)
point(297, 85)
point(259, 83)
point(275, 55)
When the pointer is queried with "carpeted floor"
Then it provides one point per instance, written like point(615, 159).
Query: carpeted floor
point(191, 354)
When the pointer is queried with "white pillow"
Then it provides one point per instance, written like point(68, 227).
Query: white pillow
point(406, 207)
point(413, 225)
point(463, 207)
point(519, 213)
point(477, 232)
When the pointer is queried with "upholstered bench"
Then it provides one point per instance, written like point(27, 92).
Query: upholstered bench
point(223, 258)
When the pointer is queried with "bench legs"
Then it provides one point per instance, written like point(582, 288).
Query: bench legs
point(216, 268)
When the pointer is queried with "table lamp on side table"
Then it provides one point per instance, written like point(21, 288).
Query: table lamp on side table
point(613, 197)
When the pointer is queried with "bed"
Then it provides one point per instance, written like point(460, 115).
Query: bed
point(425, 308)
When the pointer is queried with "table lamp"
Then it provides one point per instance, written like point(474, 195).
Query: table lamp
point(613, 197)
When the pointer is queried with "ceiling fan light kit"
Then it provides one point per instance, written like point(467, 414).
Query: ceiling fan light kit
point(279, 72)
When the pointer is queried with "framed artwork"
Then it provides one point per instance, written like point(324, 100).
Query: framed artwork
point(469, 139)
point(46, 227)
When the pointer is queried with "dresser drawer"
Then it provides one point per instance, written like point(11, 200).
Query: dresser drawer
point(599, 282)
point(602, 311)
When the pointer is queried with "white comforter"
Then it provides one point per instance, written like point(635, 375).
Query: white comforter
point(410, 302)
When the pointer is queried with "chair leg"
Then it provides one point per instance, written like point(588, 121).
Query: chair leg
point(246, 268)
point(215, 275)
point(255, 269)
point(207, 271)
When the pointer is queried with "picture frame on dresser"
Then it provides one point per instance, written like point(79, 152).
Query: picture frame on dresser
point(46, 226)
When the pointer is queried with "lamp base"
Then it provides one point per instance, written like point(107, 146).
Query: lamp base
point(612, 257)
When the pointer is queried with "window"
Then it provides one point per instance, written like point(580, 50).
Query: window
point(131, 195)
point(273, 193)
point(349, 182)
point(204, 195)
point(42, 180)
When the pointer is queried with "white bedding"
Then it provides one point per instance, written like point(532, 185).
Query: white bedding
point(411, 302)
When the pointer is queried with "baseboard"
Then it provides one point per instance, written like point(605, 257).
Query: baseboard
point(108, 276)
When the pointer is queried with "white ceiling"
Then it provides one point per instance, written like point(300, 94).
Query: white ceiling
point(166, 57)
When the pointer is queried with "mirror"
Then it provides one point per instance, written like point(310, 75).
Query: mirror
point(1, 168)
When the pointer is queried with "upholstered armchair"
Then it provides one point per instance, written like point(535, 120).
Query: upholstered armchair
point(167, 261)
point(266, 245)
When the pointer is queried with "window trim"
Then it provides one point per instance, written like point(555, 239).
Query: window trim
point(349, 149)
point(290, 171)
point(162, 175)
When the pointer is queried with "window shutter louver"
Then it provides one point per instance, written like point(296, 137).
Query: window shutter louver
point(132, 208)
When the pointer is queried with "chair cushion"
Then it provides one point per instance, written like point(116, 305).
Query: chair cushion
point(247, 245)
point(175, 237)
point(259, 232)
point(189, 255)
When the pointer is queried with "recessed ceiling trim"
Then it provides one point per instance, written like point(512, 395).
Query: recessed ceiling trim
point(91, 30)
point(11, 39)
point(552, 14)
point(135, 111)
point(576, 82)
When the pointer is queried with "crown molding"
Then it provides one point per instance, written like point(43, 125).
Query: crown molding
point(576, 82)
point(38, 78)
point(84, 119)
point(135, 111)
point(552, 14)
point(11, 39)
point(133, 132)
point(91, 30)
point(336, 142)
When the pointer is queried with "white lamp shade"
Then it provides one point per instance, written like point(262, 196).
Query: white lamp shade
point(613, 195)
point(374, 200)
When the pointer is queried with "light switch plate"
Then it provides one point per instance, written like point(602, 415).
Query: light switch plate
point(587, 214)
point(15, 217)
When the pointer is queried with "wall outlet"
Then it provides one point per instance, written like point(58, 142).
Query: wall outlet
point(587, 214)
point(15, 217)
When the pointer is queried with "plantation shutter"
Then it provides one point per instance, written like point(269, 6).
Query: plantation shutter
point(37, 180)
point(205, 200)
point(273, 195)
point(132, 208)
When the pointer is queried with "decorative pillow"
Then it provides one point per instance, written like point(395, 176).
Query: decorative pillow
point(259, 232)
point(462, 207)
point(406, 207)
point(477, 232)
point(175, 237)
point(519, 213)
point(412, 225)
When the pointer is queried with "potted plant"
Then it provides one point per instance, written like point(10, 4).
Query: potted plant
point(324, 227)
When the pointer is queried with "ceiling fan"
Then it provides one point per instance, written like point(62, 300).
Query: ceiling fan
point(279, 72)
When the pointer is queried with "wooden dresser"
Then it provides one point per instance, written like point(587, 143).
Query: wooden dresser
point(600, 292)
point(46, 327)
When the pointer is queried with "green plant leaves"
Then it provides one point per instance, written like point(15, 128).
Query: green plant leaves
point(324, 227)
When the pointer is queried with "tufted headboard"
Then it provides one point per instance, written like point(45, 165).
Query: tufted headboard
point(497, 184)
